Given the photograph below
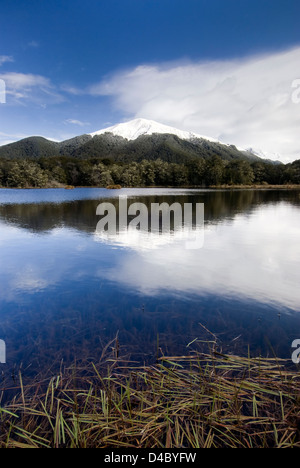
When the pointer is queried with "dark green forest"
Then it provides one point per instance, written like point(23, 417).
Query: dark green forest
point(101, 172)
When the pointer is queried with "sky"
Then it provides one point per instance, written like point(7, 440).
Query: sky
point(226, 69)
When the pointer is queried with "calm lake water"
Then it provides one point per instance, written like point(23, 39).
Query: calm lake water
point(66, 291)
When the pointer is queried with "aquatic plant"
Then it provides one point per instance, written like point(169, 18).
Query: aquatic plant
point(204, 400)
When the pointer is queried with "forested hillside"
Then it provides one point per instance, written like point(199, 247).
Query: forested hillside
point(139, 153)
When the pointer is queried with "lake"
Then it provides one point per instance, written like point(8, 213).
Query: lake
point(67, 291)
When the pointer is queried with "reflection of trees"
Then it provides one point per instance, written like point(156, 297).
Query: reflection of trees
point(81, 215)
point(43, 217)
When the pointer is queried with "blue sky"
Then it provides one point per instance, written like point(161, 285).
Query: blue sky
point(225, 69)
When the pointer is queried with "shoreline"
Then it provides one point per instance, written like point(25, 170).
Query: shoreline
point(212, 187)
point(256, 187)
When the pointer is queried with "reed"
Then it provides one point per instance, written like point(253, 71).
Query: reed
point(204, 400)
point(114, 187)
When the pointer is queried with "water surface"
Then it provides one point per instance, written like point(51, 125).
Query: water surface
point(66, 291)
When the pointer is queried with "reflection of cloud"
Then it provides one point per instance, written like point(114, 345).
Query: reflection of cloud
point(253, 257)
point(141, 241)
point(29, 279)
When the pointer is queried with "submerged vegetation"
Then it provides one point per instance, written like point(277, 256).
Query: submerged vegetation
point(204, 400)
point(62, 171)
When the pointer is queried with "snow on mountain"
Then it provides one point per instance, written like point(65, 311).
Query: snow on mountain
point(138, 127)
point(263, 154)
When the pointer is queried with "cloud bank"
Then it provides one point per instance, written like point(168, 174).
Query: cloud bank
point(27, 87)
point(247, 102)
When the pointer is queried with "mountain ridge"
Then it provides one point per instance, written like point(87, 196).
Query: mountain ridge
point(130, 141)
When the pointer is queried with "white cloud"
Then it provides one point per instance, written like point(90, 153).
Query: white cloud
point(73, 90)
point(33, 44)
point(21, 80)
point(5, 59)
point(77, 122)
point(247, 102)
point(36, 88)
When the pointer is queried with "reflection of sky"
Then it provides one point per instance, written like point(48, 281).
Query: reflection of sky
point(252, 256)
point(16, 196)
point(32, 263)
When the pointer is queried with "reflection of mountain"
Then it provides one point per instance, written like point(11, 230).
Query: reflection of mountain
point(81, 214)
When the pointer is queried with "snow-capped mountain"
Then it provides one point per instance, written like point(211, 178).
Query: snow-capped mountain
point(137, 140)
point(139, 127)
point(133, 129)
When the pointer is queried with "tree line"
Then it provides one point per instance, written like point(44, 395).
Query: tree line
point(97, 172)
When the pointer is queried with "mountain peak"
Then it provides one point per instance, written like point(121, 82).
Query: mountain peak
point(135, 128)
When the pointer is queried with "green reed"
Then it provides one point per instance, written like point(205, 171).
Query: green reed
point(203, 400)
